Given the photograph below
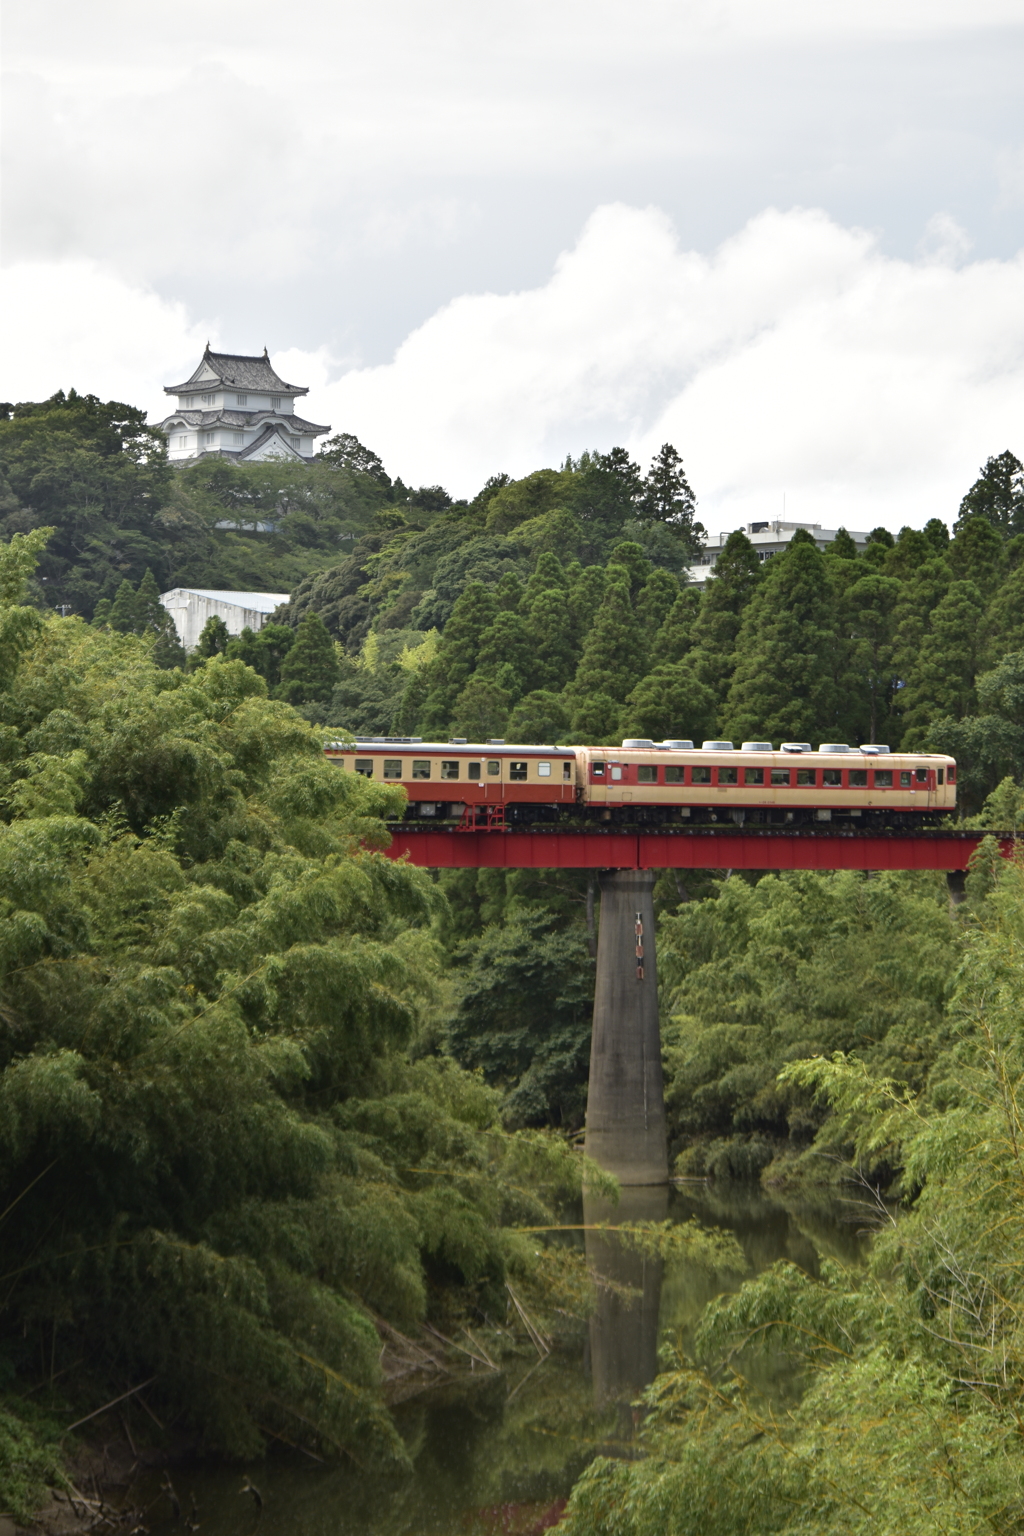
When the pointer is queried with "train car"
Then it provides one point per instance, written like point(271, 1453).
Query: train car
point(479, 784)
point(754, 783)
point(496, 783)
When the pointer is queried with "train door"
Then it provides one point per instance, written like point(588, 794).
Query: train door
point(493, 781)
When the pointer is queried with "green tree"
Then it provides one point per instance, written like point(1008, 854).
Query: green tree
point(670, 703)
point(614, 654)
point(997, 495)
point(783, 684)
point(481, 709)
point(668, 499)
point(736, 578)
point(213, 639)
point(941, 680)
point(675, 637)
point(473, 614)
point(97, 474)
point(309, 671)
point(264, 650)
point(524, 1015)
point(552, 633)
point(541, 717)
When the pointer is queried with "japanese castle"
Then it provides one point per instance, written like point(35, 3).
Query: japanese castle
point(238, 408)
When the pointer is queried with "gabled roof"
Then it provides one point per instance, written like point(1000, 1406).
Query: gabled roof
point(269, 431)
point(239, 371)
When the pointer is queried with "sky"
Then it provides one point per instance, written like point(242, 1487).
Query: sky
point(786, 236)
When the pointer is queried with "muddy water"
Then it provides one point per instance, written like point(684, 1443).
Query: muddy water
point(500, 1453)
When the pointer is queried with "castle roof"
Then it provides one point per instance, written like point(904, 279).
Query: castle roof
point(236, 418)
point(239, 371)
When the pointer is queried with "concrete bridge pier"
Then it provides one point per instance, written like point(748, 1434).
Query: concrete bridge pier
point(626, 1102)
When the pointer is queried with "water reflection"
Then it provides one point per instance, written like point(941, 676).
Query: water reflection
point(490, 1456)
point(624, 1326)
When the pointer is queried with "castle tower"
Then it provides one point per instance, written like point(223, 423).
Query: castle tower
point(238, 408)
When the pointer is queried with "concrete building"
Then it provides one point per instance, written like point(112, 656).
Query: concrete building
point(236, 407)
point(768, 538)
point(190, 607)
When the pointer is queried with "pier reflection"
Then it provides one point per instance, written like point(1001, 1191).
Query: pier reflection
point(624, 1326)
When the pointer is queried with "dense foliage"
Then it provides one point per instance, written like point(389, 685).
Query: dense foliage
point(221, 1157)
point(904, 1413)
point(258, 1084)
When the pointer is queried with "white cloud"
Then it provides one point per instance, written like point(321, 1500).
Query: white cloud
point(796, 358)
point(72, 325)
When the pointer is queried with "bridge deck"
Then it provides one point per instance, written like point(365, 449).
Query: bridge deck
point(442, 848)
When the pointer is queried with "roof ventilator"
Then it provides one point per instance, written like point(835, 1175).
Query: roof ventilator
point(834, 746)
point(678, 746)
point(757, 746)
point(638, 742)
point(871, 749)
point(796, 746)
point(717, 746)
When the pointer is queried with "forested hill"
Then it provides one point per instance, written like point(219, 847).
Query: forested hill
point(554, 606)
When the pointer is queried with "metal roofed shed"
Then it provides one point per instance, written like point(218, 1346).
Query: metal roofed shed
point(192, 607)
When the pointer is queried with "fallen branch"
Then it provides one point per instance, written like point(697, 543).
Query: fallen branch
point(112, 1404)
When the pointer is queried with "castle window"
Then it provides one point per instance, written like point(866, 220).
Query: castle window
point(275, 402)
point(236, 437)
point(241, 399)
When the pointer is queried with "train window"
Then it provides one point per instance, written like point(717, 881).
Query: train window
point(517, 770)
point(905, 779)
point(832, 777)
point(940, 775)
point(567, 770)
point(921, 775)
point(544, 770)
point(473, 770)
point(727, 775)
point(421, 767)
point(952, 773)
point(858, 778)
point(806, 777)
point(450, 770)
point(700, 775)
point(647, 774)
point(364, 765)
point(883, 778)
point(598, 770)
point(781, 776)
point(674, 774)
point(616, 771)
point(392, 767)
point(493, 768)
point(753, 775)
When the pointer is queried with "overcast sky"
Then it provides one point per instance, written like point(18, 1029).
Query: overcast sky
point(783, 234)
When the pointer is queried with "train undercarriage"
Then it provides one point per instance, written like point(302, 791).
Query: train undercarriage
point(669, 818)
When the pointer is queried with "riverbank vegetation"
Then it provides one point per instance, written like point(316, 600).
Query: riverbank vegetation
point(266, 1096)
point(224, 1158)
point(903, 1414)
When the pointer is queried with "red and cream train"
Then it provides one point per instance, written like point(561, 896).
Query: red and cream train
point(497, 784)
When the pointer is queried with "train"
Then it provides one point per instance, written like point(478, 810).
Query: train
point(498, 784)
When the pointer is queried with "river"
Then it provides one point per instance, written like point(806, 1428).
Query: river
point(499, 1452)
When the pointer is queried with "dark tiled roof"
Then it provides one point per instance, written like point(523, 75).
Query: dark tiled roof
point(240, 372)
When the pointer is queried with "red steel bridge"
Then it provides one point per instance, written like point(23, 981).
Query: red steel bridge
point(767, 848)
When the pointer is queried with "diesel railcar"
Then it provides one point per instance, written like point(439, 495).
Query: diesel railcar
point(496, 783)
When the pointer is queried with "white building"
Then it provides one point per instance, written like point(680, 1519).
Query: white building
point(238, 408)
point(190, 607)
point(768, 538)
